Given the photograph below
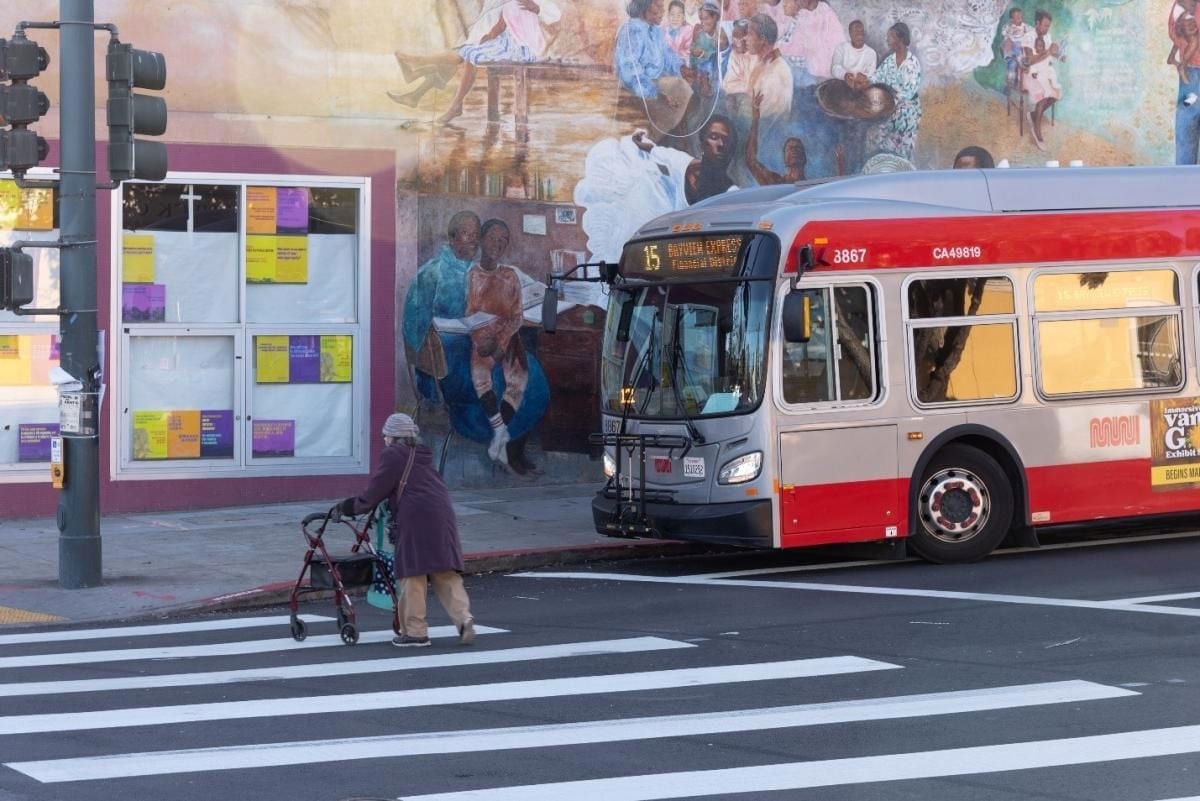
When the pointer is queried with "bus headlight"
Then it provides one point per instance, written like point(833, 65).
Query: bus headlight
point(610, 465)
point(742, 469)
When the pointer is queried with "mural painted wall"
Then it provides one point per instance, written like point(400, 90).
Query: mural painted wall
point(531, 135)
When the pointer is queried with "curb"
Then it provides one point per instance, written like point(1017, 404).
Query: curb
point(280, 592)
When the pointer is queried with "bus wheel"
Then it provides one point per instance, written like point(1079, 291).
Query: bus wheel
point(964, 508)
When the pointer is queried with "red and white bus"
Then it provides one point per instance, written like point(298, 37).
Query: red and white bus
point(944, 358)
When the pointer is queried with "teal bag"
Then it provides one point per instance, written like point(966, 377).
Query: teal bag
point(378, 595)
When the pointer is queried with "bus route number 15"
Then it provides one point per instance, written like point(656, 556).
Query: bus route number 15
point(849, 255)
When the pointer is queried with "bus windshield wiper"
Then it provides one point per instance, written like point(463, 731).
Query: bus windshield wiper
point(643, 364)
point(673, 359)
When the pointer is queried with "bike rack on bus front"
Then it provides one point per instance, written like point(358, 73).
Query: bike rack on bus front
point(640, 526)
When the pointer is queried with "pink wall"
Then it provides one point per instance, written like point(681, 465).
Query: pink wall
point(33, 500)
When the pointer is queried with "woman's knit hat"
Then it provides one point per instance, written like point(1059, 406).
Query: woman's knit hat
point(400, 426)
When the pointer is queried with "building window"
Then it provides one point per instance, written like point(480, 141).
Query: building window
point(29, 344)
point(838, 364)
point(1111, 332)
point(962, 340)
point(243, 320)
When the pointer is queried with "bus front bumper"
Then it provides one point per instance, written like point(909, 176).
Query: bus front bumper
point(745, 524)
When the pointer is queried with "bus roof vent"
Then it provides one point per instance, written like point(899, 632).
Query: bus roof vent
point(1070, 188)
point(960, 189)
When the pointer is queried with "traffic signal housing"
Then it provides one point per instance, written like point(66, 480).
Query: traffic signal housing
point(130, 114)
point(21, 104)
point(16, 279)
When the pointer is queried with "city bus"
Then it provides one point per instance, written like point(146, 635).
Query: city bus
point(947, 360)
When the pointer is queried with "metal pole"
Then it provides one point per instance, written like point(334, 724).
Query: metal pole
point(79, 558)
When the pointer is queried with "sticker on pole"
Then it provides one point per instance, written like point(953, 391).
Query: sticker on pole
point(693, 467)
point(70, 412)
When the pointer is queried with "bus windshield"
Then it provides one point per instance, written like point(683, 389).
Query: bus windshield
point(694, 348)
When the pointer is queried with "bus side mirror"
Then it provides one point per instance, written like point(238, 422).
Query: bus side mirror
point(550, 310)
point(608, 272)
point(624, 320)
point(797, 317)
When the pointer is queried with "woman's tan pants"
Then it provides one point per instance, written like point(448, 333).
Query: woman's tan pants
point(413, 590)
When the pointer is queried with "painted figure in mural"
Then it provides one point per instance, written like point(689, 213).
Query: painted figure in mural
point(901, 71)
point(820, 32)
point(1014, 35)
point(772, 78)
point(795, 157)
point(707, 41)
point(494, 288)
point(1187, 110)
point(974, 157)
point(741, 66)
point(854, 61)
point(438, 328)
point(697, 178)
point(507, 31)
point(1041, 77)
point(648, 67)
point(679, 33)
point(1187, 32)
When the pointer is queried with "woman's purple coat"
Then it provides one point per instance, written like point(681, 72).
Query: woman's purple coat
point(423, 524)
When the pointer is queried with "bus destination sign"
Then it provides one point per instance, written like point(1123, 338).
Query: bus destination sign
point(684, 257)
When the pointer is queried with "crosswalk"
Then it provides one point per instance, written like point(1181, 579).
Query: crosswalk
point(149, 703)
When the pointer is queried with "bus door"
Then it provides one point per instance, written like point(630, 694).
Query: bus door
point(838, 482)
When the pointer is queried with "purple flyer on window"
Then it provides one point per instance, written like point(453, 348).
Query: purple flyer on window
point(304, 360)
point(291, 210)
point(144, 303)
point(33, 441)
point(273, 438)
point(216, 434)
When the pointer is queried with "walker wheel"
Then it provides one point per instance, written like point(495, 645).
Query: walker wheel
point(299, 630)
point(349, 634)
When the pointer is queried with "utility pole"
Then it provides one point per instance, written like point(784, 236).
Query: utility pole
point(79, 551)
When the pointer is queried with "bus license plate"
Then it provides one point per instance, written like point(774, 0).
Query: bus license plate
point(693, 467)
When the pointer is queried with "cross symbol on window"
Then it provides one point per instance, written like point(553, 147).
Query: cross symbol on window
point(191, 197)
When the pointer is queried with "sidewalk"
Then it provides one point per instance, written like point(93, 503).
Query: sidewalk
point(181, 562)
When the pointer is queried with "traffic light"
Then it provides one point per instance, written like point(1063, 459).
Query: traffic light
point(16, 279)
point(21, 104)
point(130, 114)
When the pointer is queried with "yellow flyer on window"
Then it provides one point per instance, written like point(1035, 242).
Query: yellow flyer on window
point(37, 210)
point(291, 260)
point(183, 435)
point(337, 360)
point(10, 204)
point(271, 360)
point(16, 361)
point(261, 255)
point(137, 258)
point(261, 206)
point(150, 435)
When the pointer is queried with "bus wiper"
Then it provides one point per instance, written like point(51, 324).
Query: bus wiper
point(643, 364)
point(676, 357)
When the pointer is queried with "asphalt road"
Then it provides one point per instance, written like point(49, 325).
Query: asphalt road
point(1069, 673)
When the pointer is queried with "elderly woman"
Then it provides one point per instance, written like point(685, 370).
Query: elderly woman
point(649, 69)
point(901, 71)
point(424, 529)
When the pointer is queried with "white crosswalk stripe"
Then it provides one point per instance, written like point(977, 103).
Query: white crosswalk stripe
point(349, 668)
point(217, 624)
point(238, 648)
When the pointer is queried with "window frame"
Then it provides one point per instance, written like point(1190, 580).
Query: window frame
point(1036, 318)
point(31, 325)
point(122, 467)
point(911, 325)
point(878, 336)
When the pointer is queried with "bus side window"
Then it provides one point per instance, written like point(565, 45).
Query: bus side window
point(838, 362)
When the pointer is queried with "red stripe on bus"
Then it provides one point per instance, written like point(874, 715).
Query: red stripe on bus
point(999, 239)
point(1080, 492)
point(860, 511)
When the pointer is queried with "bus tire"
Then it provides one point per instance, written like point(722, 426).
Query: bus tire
point(964, 506)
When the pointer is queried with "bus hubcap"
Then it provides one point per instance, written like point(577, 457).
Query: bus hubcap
point(954, 505)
